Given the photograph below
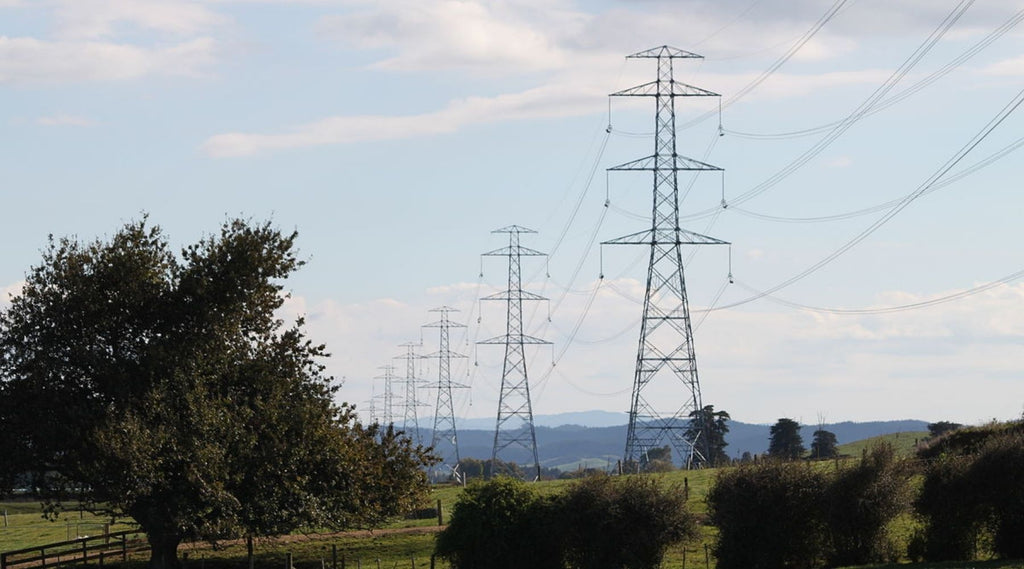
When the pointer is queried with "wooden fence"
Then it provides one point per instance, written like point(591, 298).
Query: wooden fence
point(109, 547)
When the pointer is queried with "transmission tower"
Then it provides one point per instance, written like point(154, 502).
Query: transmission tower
point(514, 400)
point(445, 439)
point(666, 391)
point(388, 395)
point(410, 402)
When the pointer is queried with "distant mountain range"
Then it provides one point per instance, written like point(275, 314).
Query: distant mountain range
point(597, 438)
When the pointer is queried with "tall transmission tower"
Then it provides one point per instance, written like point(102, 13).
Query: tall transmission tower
point(445, 438)
point(388, 415)
point(515, 412)
point(666, 391)
point(411, 402)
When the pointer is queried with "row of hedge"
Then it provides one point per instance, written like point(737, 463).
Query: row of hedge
point(804, 516)
point(597, 523)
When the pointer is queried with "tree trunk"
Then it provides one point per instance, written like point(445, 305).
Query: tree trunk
point(164, 550)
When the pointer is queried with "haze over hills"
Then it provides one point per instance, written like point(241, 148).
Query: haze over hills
point(597, 438)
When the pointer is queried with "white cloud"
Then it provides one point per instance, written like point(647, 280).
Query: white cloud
point(496, 36)
point(66, 120)
point(33, 61)
point(758, 364)
point(543, 102)
point(99, 19)
point(1013, 67)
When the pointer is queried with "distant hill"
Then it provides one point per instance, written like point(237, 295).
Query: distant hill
point(598, 438)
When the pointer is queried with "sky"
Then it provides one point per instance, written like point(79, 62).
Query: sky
point(396, 135)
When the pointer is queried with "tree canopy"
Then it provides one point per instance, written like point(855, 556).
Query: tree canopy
point(165, 388)
point(824, 444)
point(715, 427)
point(785, 441)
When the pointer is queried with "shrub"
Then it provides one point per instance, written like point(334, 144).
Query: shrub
point(862, 500)
point(599, 522)
point(769, 515)
point(952, 516)
point(997, 478)
point(974, 488)
point(500, 524)
point(623, 523)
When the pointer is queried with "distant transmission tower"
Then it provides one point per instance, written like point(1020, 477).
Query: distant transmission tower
point(515, 412)
point(388, 417)
point(410, 402)
point(445, 438)
point(666, 392)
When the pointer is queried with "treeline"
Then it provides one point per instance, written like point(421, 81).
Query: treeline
point(806, 516)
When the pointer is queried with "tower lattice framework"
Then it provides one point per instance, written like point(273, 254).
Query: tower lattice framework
point(514, 426)
point(445, 439)
point(666, 390)
point(388, 397)
point(410, 400)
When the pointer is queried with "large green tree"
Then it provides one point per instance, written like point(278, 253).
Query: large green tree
point(711, 439)
point(164, 387)
point(785, 441)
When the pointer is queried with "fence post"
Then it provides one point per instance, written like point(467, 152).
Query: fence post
point(124, 549)
point(440, 515)
point(5, 517)
point(432, 557)
point(334, 556)
point(42, 555)
point(288, 561)
point(85, 553)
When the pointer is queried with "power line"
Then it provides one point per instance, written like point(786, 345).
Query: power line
point(1001, 116)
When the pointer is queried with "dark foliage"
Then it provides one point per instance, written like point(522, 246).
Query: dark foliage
point(501, 524)
point(785, 442)
point(600, 522)
point(862, 500)
point(953, 517)
point(769, 515)
point(710, 439)
point(973, 487)
point(623, 523)
point(823, 446)
point(164, 387)
point(940, 428)
point(997, 476)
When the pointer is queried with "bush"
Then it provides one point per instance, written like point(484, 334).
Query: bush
point(599, 522)
point(952, 516)
point(974, 489)
point(500, 524)
point(769, 515)
point(623, 523)
point(997, 478)
point(862, 501)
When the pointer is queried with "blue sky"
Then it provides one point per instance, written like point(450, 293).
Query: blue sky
point(396, 135)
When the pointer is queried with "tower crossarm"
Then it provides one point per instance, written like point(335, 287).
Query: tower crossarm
point(514, 295)
point(665, 237)
point(664, 51)
point(664, 89)
point(513, 338)
point(678, 163)
point(514, 250)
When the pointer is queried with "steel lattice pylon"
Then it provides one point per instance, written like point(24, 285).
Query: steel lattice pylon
point(445, 440)
point(665, 362)
point(514, 399)
point(410, 402)
point(388, 417)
